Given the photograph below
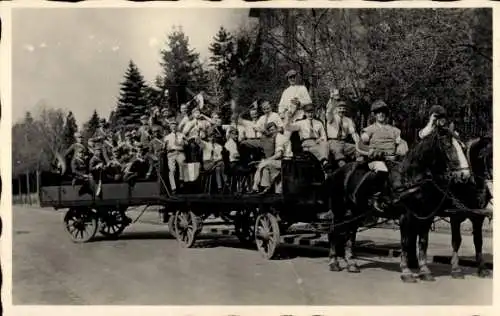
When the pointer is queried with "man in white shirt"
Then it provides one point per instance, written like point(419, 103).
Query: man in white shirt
point(269, 168)
point(183, 117)
point(312, 134)
point(174, 144)
point(438, 118)
point(338, 128)
point(231, 145)
point(212, 158)
point(332, 103)
point(268, 117)
point(248, 128)
point(196, 127)
point(293, 98)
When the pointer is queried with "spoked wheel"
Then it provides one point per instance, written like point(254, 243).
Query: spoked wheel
point(244, 229)
point(113, 223)
point(185, 228)
point(267, 234)
point(81, 224)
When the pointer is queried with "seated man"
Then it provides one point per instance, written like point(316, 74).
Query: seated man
point(212, 158)
point(96, 166)
point(268, 117)
point(195, 130)
point(231, 146)
point(80, 172)
point(113, 166)
point(271, 165)
point(383, 140)
point(338, 129)
point(312, 135)
point(136, 166)
point(144, 130)
point(77, 146)
point(174, 145)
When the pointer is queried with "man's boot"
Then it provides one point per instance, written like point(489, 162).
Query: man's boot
point(379, 198)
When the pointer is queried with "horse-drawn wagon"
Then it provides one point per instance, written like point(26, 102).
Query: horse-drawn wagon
point(298, 195)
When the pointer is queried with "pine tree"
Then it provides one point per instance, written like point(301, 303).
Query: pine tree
point(90, 126)
point(182, 70)
point(70, 128)
point(132, 102)
point(223, 60)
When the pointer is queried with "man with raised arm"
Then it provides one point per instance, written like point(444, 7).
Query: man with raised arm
point(338, 128)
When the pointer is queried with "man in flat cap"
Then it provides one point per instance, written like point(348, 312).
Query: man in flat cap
point(293, 98)
point(438, 119)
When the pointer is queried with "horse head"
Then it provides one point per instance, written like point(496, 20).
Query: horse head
point(440, 155)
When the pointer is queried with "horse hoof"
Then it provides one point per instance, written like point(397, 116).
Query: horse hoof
point(408, 278)
point(457, 274)
point(353, 269)
point(335, 267)
point(484, 273)
point(427, 277)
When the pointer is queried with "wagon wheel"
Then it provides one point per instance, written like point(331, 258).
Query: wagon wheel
point(185, 228)
point(244, 229)
point(81, 224)
point(267, 234)
point(113, 223)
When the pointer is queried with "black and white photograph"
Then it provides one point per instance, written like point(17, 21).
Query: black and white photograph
point(252, 156)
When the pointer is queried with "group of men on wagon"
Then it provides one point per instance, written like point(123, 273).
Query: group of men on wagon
point(195, 137)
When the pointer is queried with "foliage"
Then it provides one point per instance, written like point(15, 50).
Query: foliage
point(132, 102)
point(70, 128)
point(181, 69)
point(36, 139)
point(409, 58)
point(90, 127)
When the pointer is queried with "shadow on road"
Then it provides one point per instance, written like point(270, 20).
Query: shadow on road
point(438, 270)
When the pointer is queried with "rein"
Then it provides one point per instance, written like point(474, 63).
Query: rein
point(446, 194)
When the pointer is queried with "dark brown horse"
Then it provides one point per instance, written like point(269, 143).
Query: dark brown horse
point(418, 188)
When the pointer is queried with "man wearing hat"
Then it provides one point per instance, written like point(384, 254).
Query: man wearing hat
point(332, 104)
point(174, 144)
point(101, 130)
point(77, 146)
point(338, 128)
point(183, 116)
point(231, 146)
point(269, 168)
point(154, 116)
point(96, 167)
point(293, 98)
point(383, 141)
point(143, 131)
point(80, 172)
point(437, 119)
point(312, 134)
point(212, 157)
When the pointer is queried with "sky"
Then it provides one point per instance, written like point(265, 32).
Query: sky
point(75, 59)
